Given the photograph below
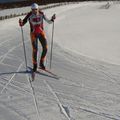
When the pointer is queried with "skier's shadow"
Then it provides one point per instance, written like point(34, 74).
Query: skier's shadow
point(28, 71)
point(12, 72)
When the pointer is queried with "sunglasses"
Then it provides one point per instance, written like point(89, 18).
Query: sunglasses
point(34, 9)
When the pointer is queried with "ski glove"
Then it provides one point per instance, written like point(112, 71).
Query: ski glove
point(53, 17)
point(20, 22)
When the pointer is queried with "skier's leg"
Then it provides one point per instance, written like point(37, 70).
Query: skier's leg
point(34, 51)
point(44, 51)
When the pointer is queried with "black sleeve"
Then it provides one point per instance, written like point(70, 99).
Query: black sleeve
point(26, 18)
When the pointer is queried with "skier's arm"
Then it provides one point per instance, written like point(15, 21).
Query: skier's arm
point(24, 21)
point(49, 20)
point(26, 18)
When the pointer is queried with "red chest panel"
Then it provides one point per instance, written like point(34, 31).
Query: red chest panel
point(36, 19)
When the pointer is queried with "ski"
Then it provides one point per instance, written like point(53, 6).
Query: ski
point(42, 72)
point(49, 72)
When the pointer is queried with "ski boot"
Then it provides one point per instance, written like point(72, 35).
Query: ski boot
point(42, 66)
point(34, 68)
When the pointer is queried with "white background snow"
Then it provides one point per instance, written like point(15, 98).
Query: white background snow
point(86, 59)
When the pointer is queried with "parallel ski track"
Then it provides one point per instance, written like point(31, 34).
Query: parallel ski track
point(108, 75)
point(11, 79)
point(28, 78)
point(34, 96)
point(8, 65)
point(2, 59)
point(49, 87)
point(105, 115)
point(82, 86)
point(22, 115)
point(5, 41)
point(6, 54)
point(57, 99)
point(6, 85)
point(54, 94)
point(16, 86)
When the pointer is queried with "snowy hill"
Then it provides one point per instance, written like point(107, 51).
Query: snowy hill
point(85, 59)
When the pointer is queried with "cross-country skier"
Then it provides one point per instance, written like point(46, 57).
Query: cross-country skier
point(35, 18)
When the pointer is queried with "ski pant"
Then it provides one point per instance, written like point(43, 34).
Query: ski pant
point(34, 41)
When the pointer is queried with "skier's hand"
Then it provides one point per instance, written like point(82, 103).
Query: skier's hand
point(20, 22)
point(53, 17)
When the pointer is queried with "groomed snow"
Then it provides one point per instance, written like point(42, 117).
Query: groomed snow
point(85, 58)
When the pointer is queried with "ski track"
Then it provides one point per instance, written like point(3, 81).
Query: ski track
point(58, 100)
point(58, 95)
point(110, 79)
point(34, 97)
point(11, 79)
point(6, 54)
point(99, 113)
point(28, 78)
point(8, 65)
point(105, 115)
point(20, 114)
point(13, 84)
point(87, 63)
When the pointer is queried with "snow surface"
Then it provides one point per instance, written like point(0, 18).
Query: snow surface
point(85, 58)
point(18, 11)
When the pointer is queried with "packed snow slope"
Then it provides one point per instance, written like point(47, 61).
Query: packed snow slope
point(85, 58)
point(91, 31)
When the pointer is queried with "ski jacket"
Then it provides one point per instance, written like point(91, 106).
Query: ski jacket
point(36, 21)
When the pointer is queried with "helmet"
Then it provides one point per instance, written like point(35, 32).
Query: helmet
point(34, 6)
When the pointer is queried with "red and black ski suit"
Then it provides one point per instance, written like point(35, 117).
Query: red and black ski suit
point(37, 32)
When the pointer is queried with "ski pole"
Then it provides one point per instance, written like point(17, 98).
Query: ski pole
point(24, 48)
point(51, 45)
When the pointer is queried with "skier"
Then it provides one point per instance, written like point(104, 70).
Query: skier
point(35, 18)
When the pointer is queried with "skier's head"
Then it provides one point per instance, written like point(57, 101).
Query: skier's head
point(34, 7)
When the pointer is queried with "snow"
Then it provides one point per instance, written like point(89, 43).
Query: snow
point(14, 11)
point(92, 29)
point(21, 10)
point(85, 58)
